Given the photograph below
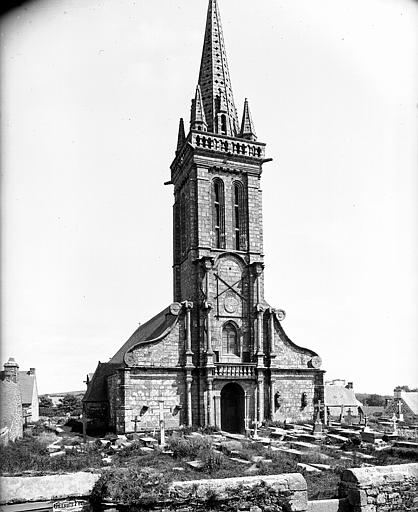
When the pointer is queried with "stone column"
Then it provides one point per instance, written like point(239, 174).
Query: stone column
point(217, 401)
point(272, 393)
point(247, 413)
point(260, 392)
point(209, 349)
point(271, 332)
point(210, 419)
point(260, 351)
point(257, 271)
point(189, 380)
point(188, 306)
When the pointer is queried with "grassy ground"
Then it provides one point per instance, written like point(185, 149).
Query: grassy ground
point(31, 454)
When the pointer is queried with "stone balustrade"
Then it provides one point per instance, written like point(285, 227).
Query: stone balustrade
point(205, 140)
point(235, 370)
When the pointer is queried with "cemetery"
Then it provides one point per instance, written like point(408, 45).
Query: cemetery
point(118, 466)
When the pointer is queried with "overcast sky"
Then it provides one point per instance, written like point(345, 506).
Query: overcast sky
point(92, 91)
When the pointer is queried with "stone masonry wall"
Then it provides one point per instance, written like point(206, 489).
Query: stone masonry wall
point(11, 415)
point(288, 356)
point(112, 386)
point(290, 489)
point(291, 388)
point(381, 489)
point(146, 390)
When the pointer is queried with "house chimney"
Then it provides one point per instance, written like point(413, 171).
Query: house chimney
point(349, 385)
point(11, 370)
point(32, 371)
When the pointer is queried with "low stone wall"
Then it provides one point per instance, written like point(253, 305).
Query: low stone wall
point(371, 489)
point(290, 489)
point(19, 489)
point(381, 488)
point(339, 505)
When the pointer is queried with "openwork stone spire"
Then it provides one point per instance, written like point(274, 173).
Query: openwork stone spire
point(214, 80)
point(181, 137)
point(247, 125)
point(197, 117)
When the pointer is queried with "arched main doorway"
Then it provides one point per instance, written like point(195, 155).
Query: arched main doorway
point(232, 408)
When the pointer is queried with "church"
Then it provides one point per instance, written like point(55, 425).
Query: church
point(218, 355)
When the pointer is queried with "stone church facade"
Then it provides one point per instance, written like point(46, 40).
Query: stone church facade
point(218, 355)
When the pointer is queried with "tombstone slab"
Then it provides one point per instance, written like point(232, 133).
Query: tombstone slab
point(308, 468)
point(241, 461)
point(196, 464)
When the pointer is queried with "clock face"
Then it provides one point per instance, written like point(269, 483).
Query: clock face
point(230, 303)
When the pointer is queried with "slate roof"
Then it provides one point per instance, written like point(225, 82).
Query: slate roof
point(336, 396)
point(148, 331)
point(154, 328)
point(411, 400)
point(27, 383)
point(97, 388)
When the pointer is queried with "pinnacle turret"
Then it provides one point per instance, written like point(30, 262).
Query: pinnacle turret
point(214, 79)
point(181, 137)
point(197, 117)
point(247, 126)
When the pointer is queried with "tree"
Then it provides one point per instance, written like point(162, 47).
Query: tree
point(45, 401)
point(70, 404)
point(375, 400)
point(404, 388)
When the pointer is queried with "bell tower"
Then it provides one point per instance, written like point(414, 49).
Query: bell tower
point(218, 261)
point(216, 173)
point(217, 218)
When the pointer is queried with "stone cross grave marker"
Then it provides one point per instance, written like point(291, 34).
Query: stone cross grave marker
point(135, 421)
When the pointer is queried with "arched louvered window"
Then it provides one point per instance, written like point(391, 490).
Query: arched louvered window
point(223, 123)
point(230, 344)
point(240, 238)
point(219, 213)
